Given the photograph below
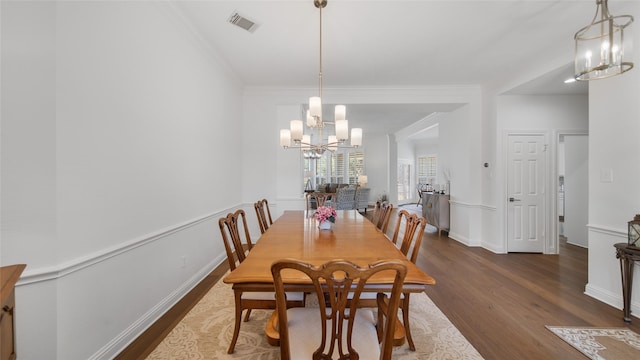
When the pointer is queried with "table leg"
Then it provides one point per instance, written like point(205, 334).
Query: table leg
point(626, 271)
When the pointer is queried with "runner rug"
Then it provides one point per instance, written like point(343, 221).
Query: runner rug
point(601, 343)
point(205, 332)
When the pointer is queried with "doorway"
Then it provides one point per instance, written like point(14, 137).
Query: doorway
point(573, 188)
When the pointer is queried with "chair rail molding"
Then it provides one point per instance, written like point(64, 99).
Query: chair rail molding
point(608, 231)
point(69, 267)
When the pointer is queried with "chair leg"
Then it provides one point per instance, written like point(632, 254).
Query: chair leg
point(379, 324)
point(246, 317)
point(271, 329)
point(405, 321)
point(236, 326)
point(398, 330)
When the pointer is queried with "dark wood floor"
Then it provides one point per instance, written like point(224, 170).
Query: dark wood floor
point(499, 302)
point(502, 302)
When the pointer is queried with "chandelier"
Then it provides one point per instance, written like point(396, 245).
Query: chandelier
point(314, 121)
point(600, 46)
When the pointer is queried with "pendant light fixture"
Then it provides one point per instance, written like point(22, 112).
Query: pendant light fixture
point(602, 49)
point(315, 148)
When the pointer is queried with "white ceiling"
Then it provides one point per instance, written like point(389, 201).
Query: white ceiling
point(374, 43)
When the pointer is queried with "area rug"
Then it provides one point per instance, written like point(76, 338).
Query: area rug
point(205, 332)
point(601, 343)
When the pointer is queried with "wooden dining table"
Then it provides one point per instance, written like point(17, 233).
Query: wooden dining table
point(295, 235)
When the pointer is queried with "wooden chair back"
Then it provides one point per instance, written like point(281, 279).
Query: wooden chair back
point(232, 238)
point(320, 198)
point(412, 232)
point(382, 214)
point(264, 217)
point(340, 283)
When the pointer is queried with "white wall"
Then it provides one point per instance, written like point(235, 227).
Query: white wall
point(426, 148)
point(459, 160)
point(114, 139)
point(614, 128)
point(379, 175)
point(28, 200)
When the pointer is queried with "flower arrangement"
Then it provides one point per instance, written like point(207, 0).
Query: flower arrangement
point(326, 213)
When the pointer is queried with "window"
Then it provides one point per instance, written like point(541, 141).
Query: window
point(332, 167)
point(356, 166)
point(321, 170)
point(427, 166)
point(337, 168)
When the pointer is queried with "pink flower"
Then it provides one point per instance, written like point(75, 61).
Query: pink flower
point(326, 213)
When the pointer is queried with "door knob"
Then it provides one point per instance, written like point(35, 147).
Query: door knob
point(513, 199)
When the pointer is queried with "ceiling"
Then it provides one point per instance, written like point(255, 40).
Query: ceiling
point(376, 43)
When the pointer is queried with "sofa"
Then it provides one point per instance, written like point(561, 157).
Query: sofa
point(330, 188)
point(344, 199)
point(349, 198)
point(362, 198)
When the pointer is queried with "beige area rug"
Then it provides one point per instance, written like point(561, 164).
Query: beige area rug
point(601, 343)
point(206, 330)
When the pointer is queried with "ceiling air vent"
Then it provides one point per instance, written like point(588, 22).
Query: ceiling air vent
point(243, 22)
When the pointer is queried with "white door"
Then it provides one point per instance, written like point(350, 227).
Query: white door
point(526, 179)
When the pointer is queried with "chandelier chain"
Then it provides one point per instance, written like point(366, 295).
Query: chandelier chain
point(320, 70)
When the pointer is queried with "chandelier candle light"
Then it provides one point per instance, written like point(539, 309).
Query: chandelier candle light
point(601, 48)
point(315, 149)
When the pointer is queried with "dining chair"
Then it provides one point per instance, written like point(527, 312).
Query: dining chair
point(263, 216)
point(237, 250)
point(409, 231)
point(381, 215)
point(420, 188)
point(320, 199)
point(325, 332)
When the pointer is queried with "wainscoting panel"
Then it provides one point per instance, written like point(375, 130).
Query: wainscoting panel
point(605, 281)
point(93, 307)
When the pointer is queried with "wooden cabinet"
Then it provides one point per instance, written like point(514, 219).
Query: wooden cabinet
point(9, 275)
point(435, 208)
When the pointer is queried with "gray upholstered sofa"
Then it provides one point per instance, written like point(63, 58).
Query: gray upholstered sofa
point(362, 198)
point(331, 188)
point(348, 198)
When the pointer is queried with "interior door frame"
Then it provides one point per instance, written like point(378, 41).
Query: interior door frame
point(550, 171)
point(555, 245)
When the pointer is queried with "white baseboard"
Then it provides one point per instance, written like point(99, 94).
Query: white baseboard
point(612, 299)
point(459, 238)
point(120, 342)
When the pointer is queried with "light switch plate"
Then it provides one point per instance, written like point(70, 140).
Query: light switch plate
point(606, 175)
